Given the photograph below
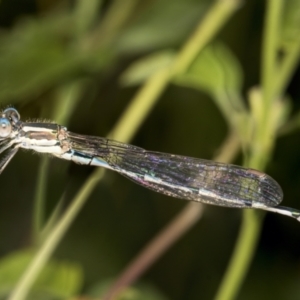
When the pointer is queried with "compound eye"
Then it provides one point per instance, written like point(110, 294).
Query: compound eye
point(12, 114)
point(5, 127)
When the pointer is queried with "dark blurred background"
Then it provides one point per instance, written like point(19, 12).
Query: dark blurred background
point(120, 216)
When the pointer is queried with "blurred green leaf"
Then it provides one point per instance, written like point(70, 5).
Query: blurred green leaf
point(42, 52)
point(280, 110)
point(114, 221)
point(58, 279)
point(291, 126)
point(86, 13)
point(141, 69)
point(279, 113)
point(291, 22)
point(215, 71)
point(155, 27)
point(137, 292)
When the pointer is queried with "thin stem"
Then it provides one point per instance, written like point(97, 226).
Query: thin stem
point(261, 148)
point(153, 86)
point(147, 96)
point(44, 253)
point(117, 15)
point(154, 250)
point(172, 232)
point(66, 100)
point(213, 21)
point(229, 149)
point(86, 13)
point(114, 20)
point(270, 48)
point(242, 255)
point(290, 126)
point(40, 199)
point(263, 141)
point(140, 106)
point(287, 68)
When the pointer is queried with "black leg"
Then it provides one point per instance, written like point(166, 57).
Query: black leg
point(4, 162)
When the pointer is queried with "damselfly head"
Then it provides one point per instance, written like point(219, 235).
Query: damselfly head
point(11, 114)
point(10, 117)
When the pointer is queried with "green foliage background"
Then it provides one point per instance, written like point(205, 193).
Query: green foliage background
point(171, 76)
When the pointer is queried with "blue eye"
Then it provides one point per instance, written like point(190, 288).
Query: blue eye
point(5, 127)
point(11, 114)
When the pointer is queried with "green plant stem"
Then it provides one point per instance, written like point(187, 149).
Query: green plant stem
point(186, 218)
point(290, 61)
point(287, 68)
point(290, 126)
point(262, 145)
point(264, 138)
point(156, 84)
point(264, 135)
point(66, 101)
point(86, 13)
point(118, 14)
point(155, 88)
point(40, 199)
point(140, 106)
point(242, 255)
point(270, 48)
point(213, 21)
point(113, 21)
point(28, 278)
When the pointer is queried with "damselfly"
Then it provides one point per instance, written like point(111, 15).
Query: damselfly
point(174, 175)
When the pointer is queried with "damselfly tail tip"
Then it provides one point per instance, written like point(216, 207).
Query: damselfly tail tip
point(286, 211)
